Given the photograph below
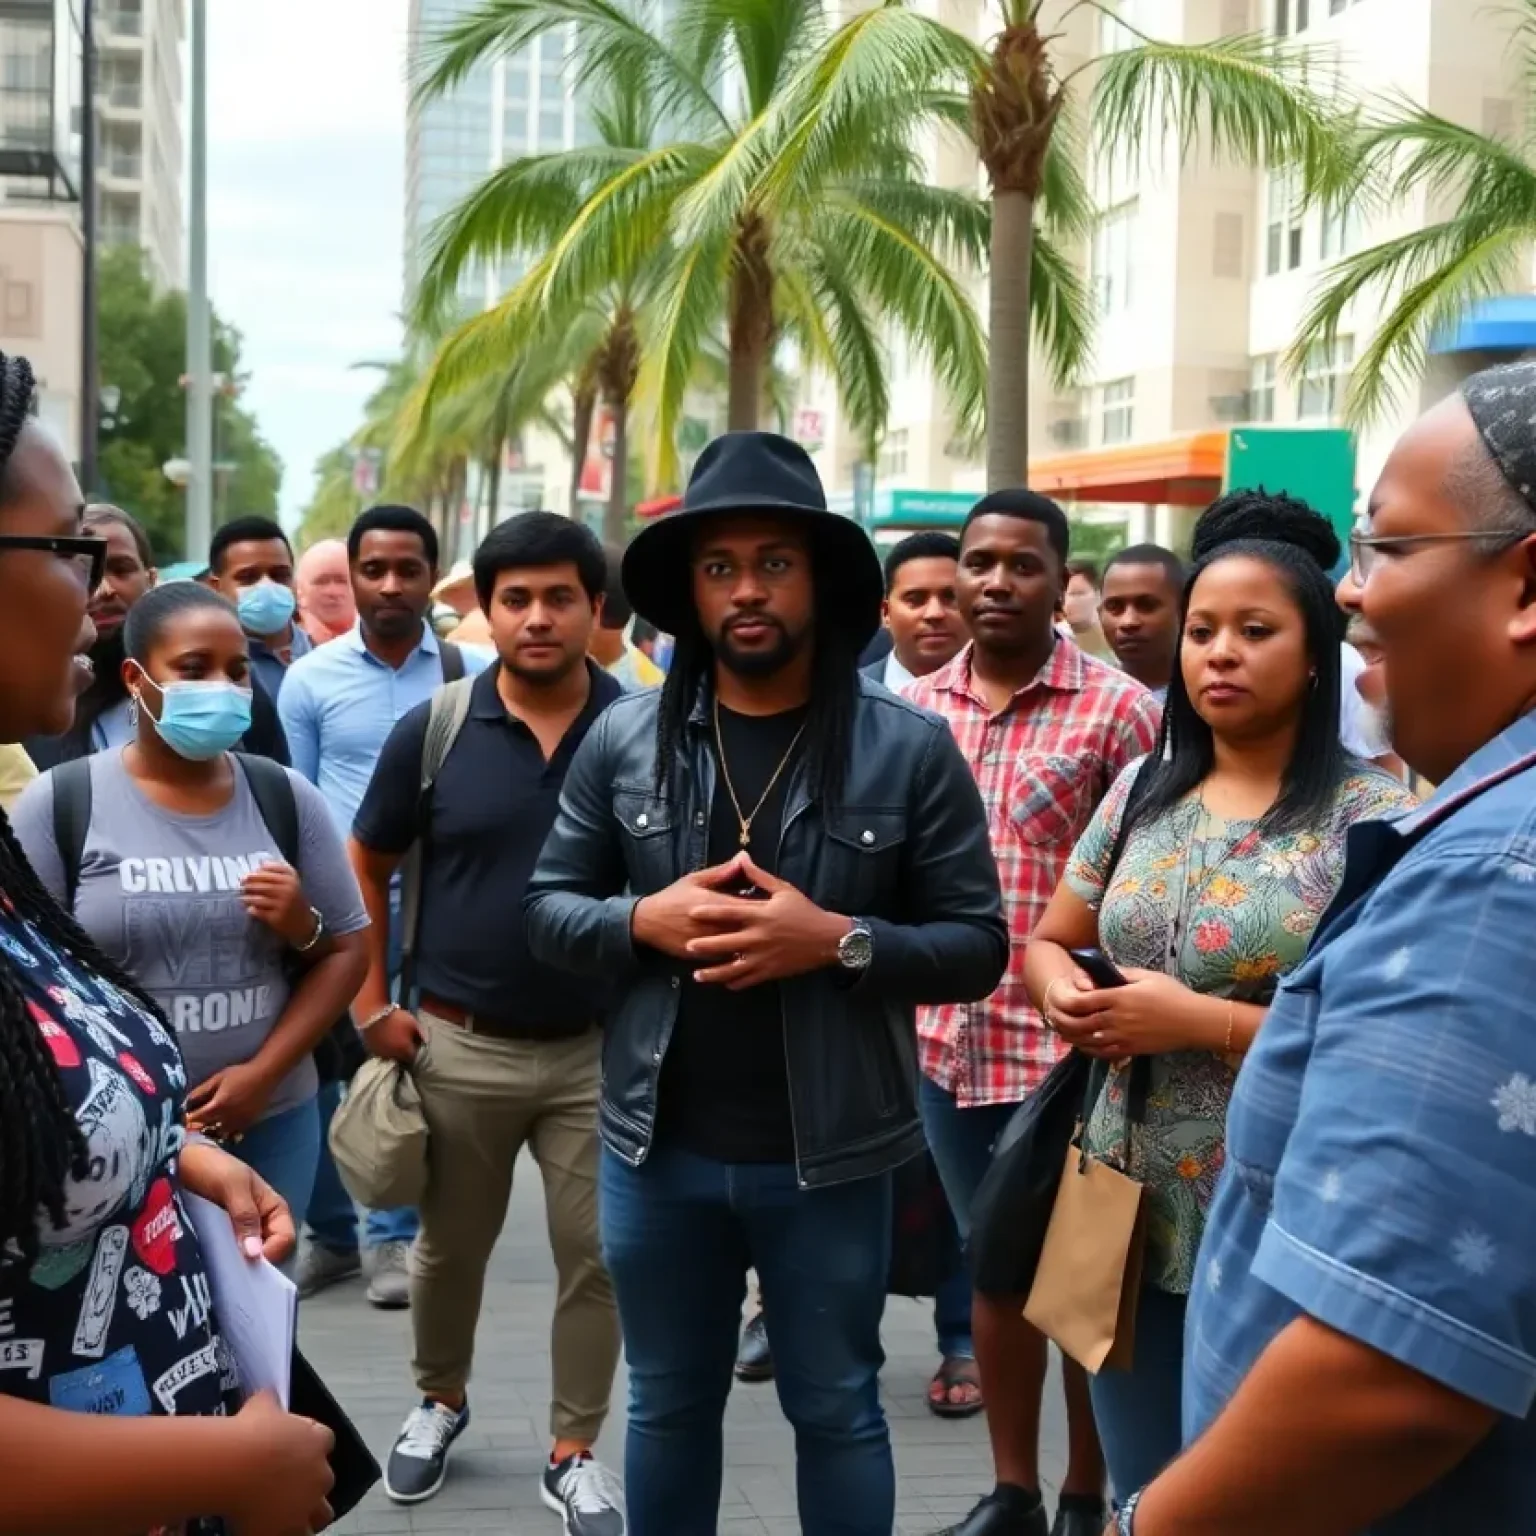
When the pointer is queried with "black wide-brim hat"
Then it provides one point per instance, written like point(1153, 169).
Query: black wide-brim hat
point(762, 474)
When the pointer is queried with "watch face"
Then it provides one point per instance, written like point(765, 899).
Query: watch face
point(856, 950)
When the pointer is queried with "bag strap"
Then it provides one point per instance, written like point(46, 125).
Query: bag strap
point(445, 719)
point(452, 659)
point(1140, 786)
point(71, 820)
point(272, 790)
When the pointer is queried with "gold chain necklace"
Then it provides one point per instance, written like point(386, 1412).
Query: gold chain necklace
point(742, 818)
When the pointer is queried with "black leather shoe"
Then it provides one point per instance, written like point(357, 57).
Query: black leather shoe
point(996, 1516)
point(1082, 1517)
point(754, 1359)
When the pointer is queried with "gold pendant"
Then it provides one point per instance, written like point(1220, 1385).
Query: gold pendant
point(746, 836)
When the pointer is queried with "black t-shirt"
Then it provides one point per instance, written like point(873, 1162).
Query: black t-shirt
point(724, 1088)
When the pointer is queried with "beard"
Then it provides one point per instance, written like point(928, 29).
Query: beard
point(763, 663)
point(1375, 722)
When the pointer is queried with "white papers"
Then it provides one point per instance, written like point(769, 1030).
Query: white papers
point(255, 1305)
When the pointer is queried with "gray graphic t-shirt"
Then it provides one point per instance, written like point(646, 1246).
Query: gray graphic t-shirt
point(160, 893)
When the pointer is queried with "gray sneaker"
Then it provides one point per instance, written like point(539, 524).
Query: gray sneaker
point(389, 1283)
point(321, 1267)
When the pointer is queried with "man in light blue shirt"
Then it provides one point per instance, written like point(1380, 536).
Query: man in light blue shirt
point(338, 706)
point(1360, 1351)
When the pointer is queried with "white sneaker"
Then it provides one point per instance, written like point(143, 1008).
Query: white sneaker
point(585, 1494)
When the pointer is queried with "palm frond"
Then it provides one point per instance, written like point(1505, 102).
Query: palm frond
point(763, 40)
point(1250, 99)
point(1406, 147)
point(954, 224)
point(612, 45)
point(1441, 272)
point(902, 279)
point(1060, 311)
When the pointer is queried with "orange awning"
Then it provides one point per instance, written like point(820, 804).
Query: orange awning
point(658, 505)
point(1181, 472)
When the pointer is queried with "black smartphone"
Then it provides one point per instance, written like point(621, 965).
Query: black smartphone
point(1099, 967)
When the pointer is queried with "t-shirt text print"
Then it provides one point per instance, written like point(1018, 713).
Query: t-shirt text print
point(115, 1317)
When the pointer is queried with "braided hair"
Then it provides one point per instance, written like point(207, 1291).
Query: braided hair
point(41, 1144)
point(1300, 546)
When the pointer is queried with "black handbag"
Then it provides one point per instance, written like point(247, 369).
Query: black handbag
point(923, 1248)
point(352, 1463)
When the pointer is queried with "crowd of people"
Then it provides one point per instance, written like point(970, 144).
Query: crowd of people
point(731, 874)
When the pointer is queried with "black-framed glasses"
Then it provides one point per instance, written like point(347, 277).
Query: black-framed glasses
point(87, 555)
point(1363, 546)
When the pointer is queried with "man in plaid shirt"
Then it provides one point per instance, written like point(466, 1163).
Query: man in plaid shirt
point(1046, 730)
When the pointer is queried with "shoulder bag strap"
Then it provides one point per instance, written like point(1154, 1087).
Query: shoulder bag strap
point(71, 820)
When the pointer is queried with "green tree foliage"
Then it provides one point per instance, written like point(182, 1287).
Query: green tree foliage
point(143, 348)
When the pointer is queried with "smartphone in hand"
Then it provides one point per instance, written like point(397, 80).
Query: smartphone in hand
point(1100, 969)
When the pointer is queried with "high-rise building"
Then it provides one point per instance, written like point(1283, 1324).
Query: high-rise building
point(1201, 272)
point(139, 125)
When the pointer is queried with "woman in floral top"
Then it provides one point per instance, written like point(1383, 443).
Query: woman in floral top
point(1203, 898)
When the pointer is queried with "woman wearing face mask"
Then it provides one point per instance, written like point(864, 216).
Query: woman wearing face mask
point(104, 1426)
point(1203, 896)
point(178, 879)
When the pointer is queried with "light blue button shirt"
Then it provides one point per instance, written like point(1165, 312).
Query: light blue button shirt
point(340, 702)
point(1381, 1142)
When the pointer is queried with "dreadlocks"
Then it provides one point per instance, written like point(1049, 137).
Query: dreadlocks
point(829, 719)
point(41, 1144)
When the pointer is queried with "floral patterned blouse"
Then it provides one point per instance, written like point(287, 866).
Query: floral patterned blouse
point(1253, 900)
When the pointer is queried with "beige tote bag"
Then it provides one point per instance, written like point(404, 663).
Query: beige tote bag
point(379, 1137)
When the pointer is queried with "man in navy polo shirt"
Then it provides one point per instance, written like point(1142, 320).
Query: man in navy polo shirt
point(504, 1049)
point(1360, 1352)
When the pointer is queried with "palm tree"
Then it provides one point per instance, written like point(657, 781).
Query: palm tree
point(1480, 190)
point(1252, 99)
point(749, 235)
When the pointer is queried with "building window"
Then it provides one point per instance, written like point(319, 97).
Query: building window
point(1261, 388)
point(1117, 420)
point(1282, 225)
point(1111, 259)
point(1341, 231)
point(893, 454)
point(1324, 379)
point(1291, 17)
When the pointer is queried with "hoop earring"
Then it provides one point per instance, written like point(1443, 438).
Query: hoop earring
point(1314, 679)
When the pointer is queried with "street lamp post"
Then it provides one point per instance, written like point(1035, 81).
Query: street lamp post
point(89, 383)
point(199, 526)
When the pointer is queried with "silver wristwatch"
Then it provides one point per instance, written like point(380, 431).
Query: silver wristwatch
point(1125, 1517)
point(856, 948)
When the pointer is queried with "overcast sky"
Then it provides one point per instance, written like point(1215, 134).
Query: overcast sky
point(306, 189)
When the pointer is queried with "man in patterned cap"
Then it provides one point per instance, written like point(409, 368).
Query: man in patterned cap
point(1365, 1303)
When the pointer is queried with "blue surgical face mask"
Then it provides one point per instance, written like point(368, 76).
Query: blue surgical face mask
point(201, 720)
point(266, 608)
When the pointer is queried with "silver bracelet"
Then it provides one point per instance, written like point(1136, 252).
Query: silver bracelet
point(314, 938)
point(376, 1017)
point(1125, 1521)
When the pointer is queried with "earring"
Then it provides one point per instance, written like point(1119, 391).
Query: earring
point(1313, 676)
point(133, 711)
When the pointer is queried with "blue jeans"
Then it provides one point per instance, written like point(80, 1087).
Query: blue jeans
point(961, 1141)
point(1140, 1411)
point(952, 1304)
point(679, 1234)
point(332, 1213)
point(285, 1150)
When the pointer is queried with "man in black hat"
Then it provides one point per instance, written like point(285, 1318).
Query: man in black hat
point(777, 860)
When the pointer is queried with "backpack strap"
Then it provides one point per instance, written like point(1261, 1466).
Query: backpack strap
point(71, 820)
point(452, 659)
point(445, 719)
point(273, 792)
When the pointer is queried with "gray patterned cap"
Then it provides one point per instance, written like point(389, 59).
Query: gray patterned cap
point(1502, 402)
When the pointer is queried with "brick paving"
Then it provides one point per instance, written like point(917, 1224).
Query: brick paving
point(364, 1355)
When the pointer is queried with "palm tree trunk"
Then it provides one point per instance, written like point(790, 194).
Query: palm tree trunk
point(583, 408)
point(750, 326)
point(1013, 236)
point(616, 514)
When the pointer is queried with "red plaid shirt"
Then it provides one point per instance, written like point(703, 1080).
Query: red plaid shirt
point(1042, 764)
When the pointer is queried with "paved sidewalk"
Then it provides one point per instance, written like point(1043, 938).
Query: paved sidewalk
point(363, 1355)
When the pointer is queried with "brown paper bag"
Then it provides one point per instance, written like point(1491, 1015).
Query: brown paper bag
point(1089, 1280)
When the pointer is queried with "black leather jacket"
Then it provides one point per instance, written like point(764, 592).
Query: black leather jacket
point(908, 853)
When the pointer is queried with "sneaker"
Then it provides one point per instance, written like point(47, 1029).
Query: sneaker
point(585, 1494)
point(418, 1460)
point(389, 1282)
point(754, 1357)
point(321, 1267)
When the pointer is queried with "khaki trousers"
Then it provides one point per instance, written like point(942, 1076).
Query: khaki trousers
point(484, 1098)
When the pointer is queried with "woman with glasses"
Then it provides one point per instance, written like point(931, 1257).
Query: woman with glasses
point(1201, 877)
point(119, 1406)
point(170, 858)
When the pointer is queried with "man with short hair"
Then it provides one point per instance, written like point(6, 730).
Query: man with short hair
point(251, 562)
point(1047, 730)
point(611, 650)
point(1364, 1307)
point(1079, 609)
point(1139, 613)
point(323, 584)
point(338, 706)
point(775, 860)
point(920, 610)
point(504, 1049)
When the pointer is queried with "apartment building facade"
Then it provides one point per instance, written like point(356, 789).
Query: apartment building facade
point(1201, 272)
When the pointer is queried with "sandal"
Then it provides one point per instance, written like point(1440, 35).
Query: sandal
point(955, 1391)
